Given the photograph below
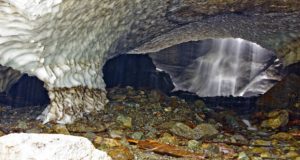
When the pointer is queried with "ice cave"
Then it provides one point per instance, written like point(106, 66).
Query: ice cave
point(152, 79)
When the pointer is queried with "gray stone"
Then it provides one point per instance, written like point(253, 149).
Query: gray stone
point(183, 130)
point(125, 121)
point(193, 144)
point(22, 125)
point(137, 135)
point(205, 130)
point(116, 133)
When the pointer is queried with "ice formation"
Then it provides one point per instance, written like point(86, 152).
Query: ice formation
point(66, 42)
point(22, 146)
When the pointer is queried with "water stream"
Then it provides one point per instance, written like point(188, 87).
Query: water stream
point(228, 67)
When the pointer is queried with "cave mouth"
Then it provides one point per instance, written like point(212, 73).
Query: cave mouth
point(26, 98)
point(137, 71)
point(229, 72)
point(220, 67)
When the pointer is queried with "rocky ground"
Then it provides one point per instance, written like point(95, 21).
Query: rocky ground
point(143, 124)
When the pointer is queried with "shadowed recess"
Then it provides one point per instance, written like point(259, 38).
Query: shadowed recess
point(27, 91)
point(137, 71)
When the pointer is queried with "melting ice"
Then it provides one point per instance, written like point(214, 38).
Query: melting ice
point(228, 67)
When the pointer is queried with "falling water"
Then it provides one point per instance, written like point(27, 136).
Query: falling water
point(229, 67)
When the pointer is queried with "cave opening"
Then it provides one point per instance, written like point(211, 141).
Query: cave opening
point(230, 73)
point(21, 97)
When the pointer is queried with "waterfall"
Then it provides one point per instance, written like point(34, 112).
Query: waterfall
point(227, 67)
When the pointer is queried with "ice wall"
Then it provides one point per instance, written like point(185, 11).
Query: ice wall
point(64, 43)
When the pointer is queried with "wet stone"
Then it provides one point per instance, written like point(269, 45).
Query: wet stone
point(154, 96)
point(137, 135)
point(116, 133)
point(291, 154)
point(22, 125)
point(243, 156)
point(121, 153)
point(1, 134)
point(193, 144)
point(124, 121)
point(168, 139)
point(189, 125)
point(205, 130)
point(258, 150)
point(61, 129)
point(183, 130)
point(200, 104)
point(106, 143)
point(80, 127)
point(262, 142)
point(240, 138)
point(89, 135)
point(34, 130)
point(276, 119)
point(282, 136)
point(118, 97)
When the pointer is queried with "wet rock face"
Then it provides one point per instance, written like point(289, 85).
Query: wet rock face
point(285, 94)
point(290, 53)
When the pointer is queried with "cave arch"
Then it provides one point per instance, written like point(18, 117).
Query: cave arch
point(22, 90)
point(219, 67)
point(137, 71)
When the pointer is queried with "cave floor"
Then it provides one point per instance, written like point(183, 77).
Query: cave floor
point(146, 124)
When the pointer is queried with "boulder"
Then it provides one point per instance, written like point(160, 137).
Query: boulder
point(24, 146)
point(284, 94)
point(276, 119)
